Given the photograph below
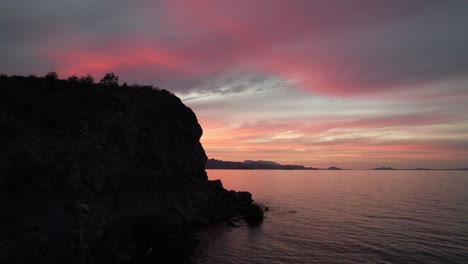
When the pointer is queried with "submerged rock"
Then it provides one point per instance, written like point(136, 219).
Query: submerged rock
point(93, 173)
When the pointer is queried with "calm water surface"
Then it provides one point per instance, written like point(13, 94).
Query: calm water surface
point(346, 217)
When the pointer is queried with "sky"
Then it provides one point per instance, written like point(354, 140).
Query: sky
point(355, 84)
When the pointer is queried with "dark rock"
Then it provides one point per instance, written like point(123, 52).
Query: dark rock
point(232, 224)
point(253, 213)
point(236, 219)
point(93, 173)
point(266, 209)
point(244, 197)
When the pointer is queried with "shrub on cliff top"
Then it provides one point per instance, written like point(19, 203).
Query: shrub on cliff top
point(110, 79)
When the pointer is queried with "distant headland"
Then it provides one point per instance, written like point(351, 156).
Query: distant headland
point(215, 164)
point(252, 165)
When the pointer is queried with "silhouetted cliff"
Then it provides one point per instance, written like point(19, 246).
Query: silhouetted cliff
point(101, 173)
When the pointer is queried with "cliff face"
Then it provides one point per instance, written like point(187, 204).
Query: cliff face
point(91, 173)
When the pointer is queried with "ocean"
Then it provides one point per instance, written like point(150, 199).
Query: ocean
point(347, 216)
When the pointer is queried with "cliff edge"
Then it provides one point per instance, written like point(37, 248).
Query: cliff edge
point(101, 173)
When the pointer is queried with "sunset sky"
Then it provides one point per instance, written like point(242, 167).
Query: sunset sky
point(354, 84)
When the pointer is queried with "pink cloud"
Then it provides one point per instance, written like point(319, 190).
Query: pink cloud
point(332, 48)
point(117, 57)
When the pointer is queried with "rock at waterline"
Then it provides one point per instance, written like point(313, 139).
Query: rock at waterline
point(232, 224)
point(253, 213)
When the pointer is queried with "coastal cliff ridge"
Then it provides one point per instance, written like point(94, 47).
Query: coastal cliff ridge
point(101, 173)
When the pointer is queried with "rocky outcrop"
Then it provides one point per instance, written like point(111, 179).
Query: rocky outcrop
point(253, 213)
point(93, 173)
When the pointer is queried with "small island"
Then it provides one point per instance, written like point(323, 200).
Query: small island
point(384, 168)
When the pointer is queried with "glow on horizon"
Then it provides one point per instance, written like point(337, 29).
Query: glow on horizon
point(350, 134)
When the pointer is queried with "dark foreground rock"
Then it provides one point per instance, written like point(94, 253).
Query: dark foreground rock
point(93, 173)
point(253, 213)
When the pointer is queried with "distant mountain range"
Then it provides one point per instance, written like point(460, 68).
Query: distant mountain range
point(252, 165)
point(215, 164)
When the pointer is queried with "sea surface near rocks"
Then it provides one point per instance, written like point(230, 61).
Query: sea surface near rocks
point(346, 217)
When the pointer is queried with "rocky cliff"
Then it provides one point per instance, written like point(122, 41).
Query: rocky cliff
point(101, 173)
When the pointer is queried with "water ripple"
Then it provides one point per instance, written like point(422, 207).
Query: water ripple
point(347, 217)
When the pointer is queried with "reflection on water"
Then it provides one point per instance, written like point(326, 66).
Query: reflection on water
point(346, 217)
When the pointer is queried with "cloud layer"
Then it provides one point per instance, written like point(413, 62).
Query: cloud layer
point(327, 47)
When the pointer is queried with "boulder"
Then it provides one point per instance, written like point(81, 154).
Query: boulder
point(253, 213)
